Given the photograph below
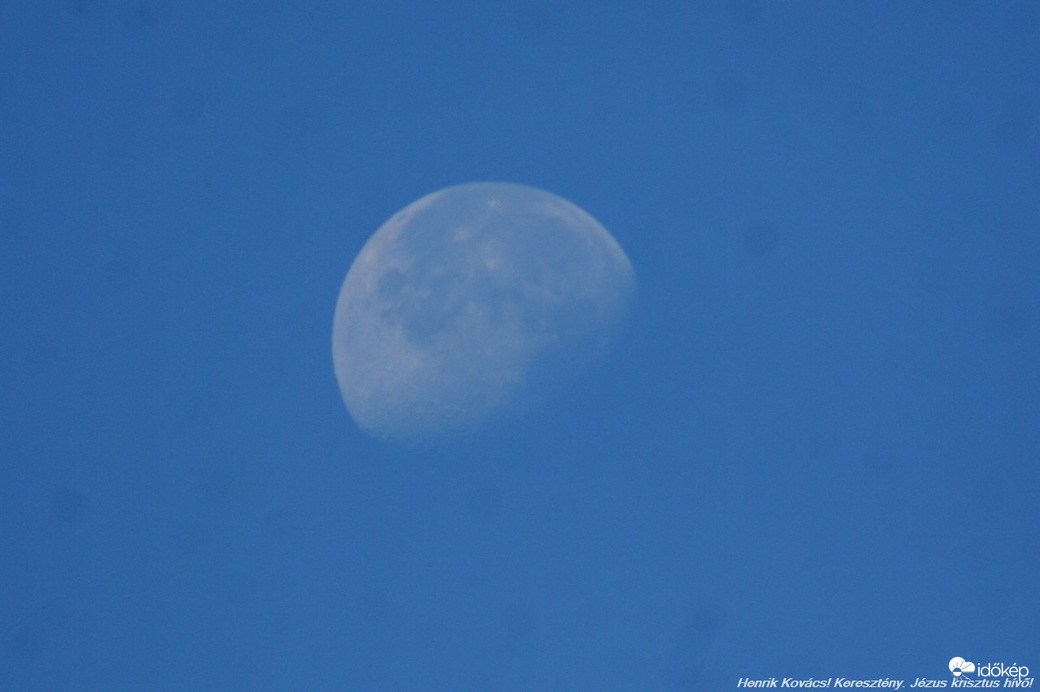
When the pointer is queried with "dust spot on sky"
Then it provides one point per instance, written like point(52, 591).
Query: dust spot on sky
point(68, 504)
point(517, 621)
point(295, 126)
point(484, 502)
point(744, 12)
point(187, 106)
point(119, 273)
point(190, 537)
point(84, 9)
point(761, 239)
point(26, 642)
point(1023, 19)
point(1016, 126)
point(691, 656)
point(730, 92)
point(145, 16)
point(1008, 323)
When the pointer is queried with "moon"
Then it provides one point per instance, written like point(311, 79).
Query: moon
point(472, 305)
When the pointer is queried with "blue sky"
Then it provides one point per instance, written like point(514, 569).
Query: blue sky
point(813, 453)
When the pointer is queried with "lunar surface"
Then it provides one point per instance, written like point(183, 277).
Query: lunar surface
point(471, 305)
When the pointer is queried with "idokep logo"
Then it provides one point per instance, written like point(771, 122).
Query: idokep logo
point(1015, 675)
point(958, 666)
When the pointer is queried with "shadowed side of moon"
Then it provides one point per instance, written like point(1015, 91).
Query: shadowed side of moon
point(472, 304)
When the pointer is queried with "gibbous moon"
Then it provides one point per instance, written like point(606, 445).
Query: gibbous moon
point(472, 304)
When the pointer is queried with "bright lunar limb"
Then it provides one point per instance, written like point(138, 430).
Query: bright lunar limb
point(470, 305)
